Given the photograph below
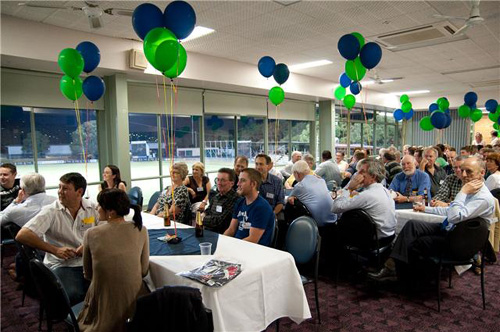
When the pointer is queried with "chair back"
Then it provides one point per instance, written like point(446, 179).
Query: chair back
point(467, 239)
point(330, 185)
point(302, 239)
point(153, 200)
point(135, 196)
point(274, 235)
point(52, 294)
point(357, 228)
point(496, 193)
point(296, 210)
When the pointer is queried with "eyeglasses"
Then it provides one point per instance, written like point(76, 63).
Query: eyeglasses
point(222, 180)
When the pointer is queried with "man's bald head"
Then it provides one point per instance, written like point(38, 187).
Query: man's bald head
point(472, 169)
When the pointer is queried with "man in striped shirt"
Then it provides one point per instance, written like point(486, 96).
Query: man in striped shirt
point(451, 185)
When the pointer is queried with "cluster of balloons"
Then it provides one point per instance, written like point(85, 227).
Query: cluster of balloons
point(267, 68)
point(469, 108)
point(85, 57)
point(406, 110)
point(360, 56)
point(440, 117)
point(494, 112)
point(215, 122)
point(161, 32)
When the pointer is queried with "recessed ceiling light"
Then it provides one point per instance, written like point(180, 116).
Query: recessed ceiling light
point(198, 32)
point(309, 64)
point(415, 92)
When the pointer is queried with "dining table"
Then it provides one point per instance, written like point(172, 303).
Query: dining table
point(269, 286)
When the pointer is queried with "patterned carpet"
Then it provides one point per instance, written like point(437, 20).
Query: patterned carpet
point(345, 306)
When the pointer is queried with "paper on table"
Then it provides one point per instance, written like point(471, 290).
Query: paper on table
point(214, 273)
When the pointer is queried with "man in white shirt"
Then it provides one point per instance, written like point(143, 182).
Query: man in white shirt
point(287, 171)
point(494, 138)
point(30, 200)
point(62, 225)
point(375, 199)
point(339, 156)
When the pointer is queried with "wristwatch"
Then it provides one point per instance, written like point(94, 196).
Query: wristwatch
point(408, 199)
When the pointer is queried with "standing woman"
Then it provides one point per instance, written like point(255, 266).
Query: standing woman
point(493, 167)
point(199, 187)
point(112, 179)
point(115, 259)
point(180, 202)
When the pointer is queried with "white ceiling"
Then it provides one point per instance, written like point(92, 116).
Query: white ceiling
point(309, 30)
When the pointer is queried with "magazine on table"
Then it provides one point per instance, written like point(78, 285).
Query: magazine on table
point(214, 273)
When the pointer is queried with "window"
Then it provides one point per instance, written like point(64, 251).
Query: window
point(250, 136)
point(301, 135)
point(279, 138)
point(219, 142)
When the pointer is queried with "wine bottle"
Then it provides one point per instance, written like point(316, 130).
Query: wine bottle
point(199, 225)
point(426, 198)
point(166, 216)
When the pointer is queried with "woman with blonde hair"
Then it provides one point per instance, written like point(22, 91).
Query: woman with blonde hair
point(199, 187)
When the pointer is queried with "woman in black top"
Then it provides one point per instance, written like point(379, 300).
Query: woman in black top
point(198, 186)
point(112, 179)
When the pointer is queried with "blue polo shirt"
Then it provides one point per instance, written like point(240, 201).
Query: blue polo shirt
point(272, 190)
point(258, 215)
point(419, 181)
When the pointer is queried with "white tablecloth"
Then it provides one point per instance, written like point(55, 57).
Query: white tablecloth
point(269, 286)
point(402, 216)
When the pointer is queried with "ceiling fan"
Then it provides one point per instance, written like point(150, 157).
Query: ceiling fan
point(473, 19)
point(91, 9)
point(378, 80)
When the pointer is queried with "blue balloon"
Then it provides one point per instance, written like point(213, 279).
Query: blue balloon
point(398, 114)
point(266, 66)
point(356, 88)
point(438, 119)
point(345, 81)
point(93, 88)
point(180, 18)
point(408, 115)
point(491, 105)
point(370, 55)
point(470, 98)
point(433, 107)
point(448, 119)
point(348, 46)
point(91, 55)
point(281, 73)
point(145, 18)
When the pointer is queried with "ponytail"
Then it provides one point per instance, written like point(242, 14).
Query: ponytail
point(137, 216)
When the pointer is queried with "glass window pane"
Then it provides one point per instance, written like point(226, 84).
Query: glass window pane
point(59, 147)
point(250, 136)
point(143, 135)
point(341, 137)
point(301, 134)
point(355, 136)
point(391, 136)
point(16, 138)
point(186, 141)
point(219, 142)
point(380, 136)
point(279, 132)
point(368, 137)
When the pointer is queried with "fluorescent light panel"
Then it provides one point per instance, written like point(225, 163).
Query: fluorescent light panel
point(415, 92)
point(310, 64)
point(198, 32)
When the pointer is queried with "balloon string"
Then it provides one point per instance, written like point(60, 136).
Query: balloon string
point(79, 128)
point(157, 90)
point(276, 129)
point(87, 131)
point(173, 91)
point(167, 142)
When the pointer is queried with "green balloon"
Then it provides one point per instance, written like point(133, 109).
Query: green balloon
point(340, 92)
point(494, 116)
point(403, 98)
point(498, 109)
point(463, 111)
point(355, 70)
point(360, 38)
point(476, 115)
point(153, 39)
point(179, 65)
point(71, 62)
point(443, 104)
point(70, 87)
point(495, 126)
point(166, 54)
point(349, 101)
point(276, 95)
point(406, 107)
point(426, 123)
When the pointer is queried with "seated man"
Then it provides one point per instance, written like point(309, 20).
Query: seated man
point(374, 199)
point(451, 185)
point(240, 163)
point(474, 200)
point(312, 192)
point(217, 216)
point(29, 201)
point(436, 173)
point(253, 217)
point(9, 185)
point(271, 188)
point(328, 169)
point(339, 158)
point(62, 225)
point(291, 181)
point(287, 171)
point(409, 181)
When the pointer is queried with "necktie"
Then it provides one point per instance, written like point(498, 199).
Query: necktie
point(408, 186)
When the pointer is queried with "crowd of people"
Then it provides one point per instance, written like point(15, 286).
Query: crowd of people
point(83, 239)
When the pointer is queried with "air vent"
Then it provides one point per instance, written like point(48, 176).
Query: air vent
point(137, 60)
point(484, 84)
point(421, 36)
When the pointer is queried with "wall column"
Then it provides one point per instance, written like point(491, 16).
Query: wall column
point(326, 126)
